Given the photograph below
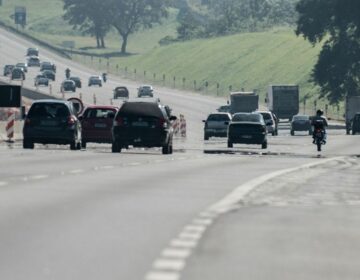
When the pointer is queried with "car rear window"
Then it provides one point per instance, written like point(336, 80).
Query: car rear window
point(218, 118)
point(49, 110)
point(247, 118)
point(301, 118)
point(141, 109)
point(97, 113)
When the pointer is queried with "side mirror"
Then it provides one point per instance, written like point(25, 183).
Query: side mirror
point(173, 118)
point(204, 121)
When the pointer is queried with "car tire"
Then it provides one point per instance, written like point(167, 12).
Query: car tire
point(28, 144)
point(353, 132)
point(170, 149)
point(115, 147)
point(276, 132)
point(264, 145)
point(292, 132)
point(310, 132)
point(206, 137)
point(273, 134)
point(73, 145)
point(230, 145)
point(166, 149)
point(78, 146)
point(83, 144)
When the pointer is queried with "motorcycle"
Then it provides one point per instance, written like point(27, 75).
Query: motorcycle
point(319, 138)
point(104, 76)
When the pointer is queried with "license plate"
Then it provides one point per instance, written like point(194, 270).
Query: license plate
point(49, 123)
point(140, 124)
point(246, 136)
point(100, 125)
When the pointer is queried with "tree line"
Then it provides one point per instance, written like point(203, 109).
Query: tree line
point(97, 17)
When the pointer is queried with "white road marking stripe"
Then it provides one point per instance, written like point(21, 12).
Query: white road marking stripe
point(162, 276)
point(3, 184)
point(205, 222)
point(207, 214)
point(108, 167)
point(176, 253)
point(164, 264)
point(77, 171)
point(190, 236)
point(183, 243)
point(39, 177)
point(195, 228)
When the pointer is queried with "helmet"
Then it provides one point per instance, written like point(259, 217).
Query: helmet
point(319, 112)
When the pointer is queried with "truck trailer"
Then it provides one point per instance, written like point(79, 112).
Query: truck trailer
point(243, 102)
point(352, 106)
point(283, 100)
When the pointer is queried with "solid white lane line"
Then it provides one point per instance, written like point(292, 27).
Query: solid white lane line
point(165, 264)
point(183, 243)
point(176, 253)
point(162, 276)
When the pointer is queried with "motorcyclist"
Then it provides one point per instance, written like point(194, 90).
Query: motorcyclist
point(67, 73)
point(104, 76)
point(319, 122)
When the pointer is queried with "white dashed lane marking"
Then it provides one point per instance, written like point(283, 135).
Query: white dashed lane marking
point(164, 264)
point(162, 276)
point(39, 177)
point(176, 253)
point(3, 184)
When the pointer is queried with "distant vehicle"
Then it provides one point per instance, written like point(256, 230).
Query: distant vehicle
point(68, 85)
point(23, 66)
point(41, 80)
point(146, 91)
point(224, 109)
point(301, 123)
point(32, 52)
point(77, 81)
point(216, 125)
point(49, 74)
point(121, 92)
point(96, 124)
point(8, 69)
point(143, 124)
point(270, 121)
point(355, 124)
point(352, 107)
point(52, 122)
point(247, 128)
point(17, 74)
point(33, 61)
point(283, 100)
point(95, 81)
point(243, 102)
point(45, 65)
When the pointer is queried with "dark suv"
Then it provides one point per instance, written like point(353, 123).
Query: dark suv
point(355, 123)
point(143, 124)
point(52, 122)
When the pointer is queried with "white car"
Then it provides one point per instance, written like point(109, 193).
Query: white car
point(270, 121)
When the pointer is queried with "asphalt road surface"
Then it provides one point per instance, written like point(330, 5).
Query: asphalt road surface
point(205, 212)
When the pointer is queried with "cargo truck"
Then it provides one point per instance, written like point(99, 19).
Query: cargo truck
point(245, 102)
point(283, 100)
point(352, 106)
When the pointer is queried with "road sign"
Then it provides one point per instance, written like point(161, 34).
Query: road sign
point(10, 96)
point(78, 105)
point(20, 15)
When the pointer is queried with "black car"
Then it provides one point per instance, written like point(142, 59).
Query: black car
point(32, 52)
point(300, 123)
point(33, 61)
point(45, 65)
point(142, 124)
point(247, 128)
point(8, 69)
point(68, 85)
point(41, 80)
point(52, 122)
point(17, 74)
point(49, 74)
point(23, 66)
point(77, 81)
point(355, 123)
point(121, 92)
point(95, 81)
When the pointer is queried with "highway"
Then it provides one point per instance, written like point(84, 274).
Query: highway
point(205, 212)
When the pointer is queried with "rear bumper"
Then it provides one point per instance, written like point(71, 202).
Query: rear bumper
point(215, 132)
point(245, 139)
point(141, 139)
point(49, 137)
point(301, 128)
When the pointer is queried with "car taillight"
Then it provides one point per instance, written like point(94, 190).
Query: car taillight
point(162, 123)
point(118, 122)
point(71, 120)
point(27, 121)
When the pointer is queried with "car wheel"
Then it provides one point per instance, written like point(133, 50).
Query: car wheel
point(166, 149)
point(230, 144)
point(78, 146)
point(310, 132)
point(353, 132)
point(206, 137)
point(28, 144)
point(115, 147)
point(273, 133)
point(292, 132)
point(170, 149)
point(83, 144)
point(264, 145)
point(276, 132)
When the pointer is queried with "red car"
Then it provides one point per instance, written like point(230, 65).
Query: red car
point(96, 122)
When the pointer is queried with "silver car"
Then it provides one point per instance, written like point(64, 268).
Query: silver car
point(216, 125)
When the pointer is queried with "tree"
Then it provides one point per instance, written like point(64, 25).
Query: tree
point(90, 16)
point(127, 16)
point(336, 24)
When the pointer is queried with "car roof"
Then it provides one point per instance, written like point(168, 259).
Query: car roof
point(57, 101)
point(102, 107)
point(220, 113)
point(68, 81)
point(74, 77)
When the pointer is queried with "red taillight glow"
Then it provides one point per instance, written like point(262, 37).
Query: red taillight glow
point(71, 120)
point(27, 121)
point(162, 123)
